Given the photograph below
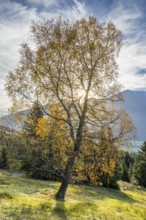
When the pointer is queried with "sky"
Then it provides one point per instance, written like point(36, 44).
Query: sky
point(129, 16)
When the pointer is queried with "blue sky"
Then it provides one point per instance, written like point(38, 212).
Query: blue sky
point(128, 15)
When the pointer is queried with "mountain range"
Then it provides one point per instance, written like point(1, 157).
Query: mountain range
point(134, 103)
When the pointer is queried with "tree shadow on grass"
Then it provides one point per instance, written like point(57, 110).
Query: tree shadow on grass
point(60, 210)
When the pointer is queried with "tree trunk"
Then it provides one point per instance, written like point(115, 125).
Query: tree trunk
point(64, 185)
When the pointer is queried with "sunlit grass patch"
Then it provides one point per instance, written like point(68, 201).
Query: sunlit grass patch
point(27, 199)
point(81, 209)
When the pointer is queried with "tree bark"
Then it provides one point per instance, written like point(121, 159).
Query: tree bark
point(64, 185)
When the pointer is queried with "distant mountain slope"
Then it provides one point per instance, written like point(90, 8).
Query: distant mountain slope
point(14, 121)
point(135, 105)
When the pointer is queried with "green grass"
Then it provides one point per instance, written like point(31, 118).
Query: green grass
point(27, 199)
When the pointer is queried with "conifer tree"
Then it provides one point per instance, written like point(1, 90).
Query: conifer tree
point(32, 144)
point(140, 166)
point(125, 174)
point(32, 119)
point(3, 163)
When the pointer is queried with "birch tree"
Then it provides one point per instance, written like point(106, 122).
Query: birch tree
point(73, 65)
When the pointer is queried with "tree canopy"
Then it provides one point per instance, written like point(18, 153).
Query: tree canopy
point(74, 66)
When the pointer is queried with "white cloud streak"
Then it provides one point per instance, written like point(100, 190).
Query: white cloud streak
point(133, 52)
point(14, 30)
point(77, 11)
point(44, 3)
point(15, 21)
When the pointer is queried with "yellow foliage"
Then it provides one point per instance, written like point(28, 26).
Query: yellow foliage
point(97, 160)
point(42, 129)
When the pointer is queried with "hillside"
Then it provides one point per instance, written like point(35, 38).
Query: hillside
point(22, 198)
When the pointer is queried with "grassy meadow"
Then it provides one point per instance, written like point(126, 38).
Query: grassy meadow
point(26, 199)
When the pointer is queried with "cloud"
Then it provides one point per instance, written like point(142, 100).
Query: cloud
point(78, 11)
point(44, 3)
point(15, 21)
point(14, 26)
point(4, 101)
point(75, 11)
point(127, 18)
